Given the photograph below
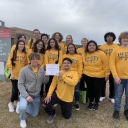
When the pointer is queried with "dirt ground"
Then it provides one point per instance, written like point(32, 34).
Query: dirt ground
point(80, 119)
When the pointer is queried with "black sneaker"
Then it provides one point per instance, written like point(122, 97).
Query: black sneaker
point(50, 118)
point(126, 114)
point(77, 107)
point(90, 106)
point(116, 114)
point(95, 107)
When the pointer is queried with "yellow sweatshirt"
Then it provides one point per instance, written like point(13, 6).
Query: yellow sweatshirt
point(107, 49)
point(21, 61)
point(29, 43)
point(14, 46)
point(65, 49)
point(81, 51)
point(76, 63)
point(61, 46)
point(41, 61)
point(64, 86)
point(119, 63)
point(51, 56)
point(95, 64)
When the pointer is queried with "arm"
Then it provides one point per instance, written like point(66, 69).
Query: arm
point(112, 64)
point(80, 66)
point(60, 58)
point(71, 81)
point(52, 86)
point(28, 44)
point(21, 83)
point(46, 58)
point(105, 62)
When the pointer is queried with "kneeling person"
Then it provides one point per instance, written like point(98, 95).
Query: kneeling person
point(29, 84)
point(63, 95)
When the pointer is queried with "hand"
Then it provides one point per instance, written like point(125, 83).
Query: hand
point(61, 73)
point(47, 99)
point(12, 77)
point(29, 99)
point(106, 78)
point(117, 80)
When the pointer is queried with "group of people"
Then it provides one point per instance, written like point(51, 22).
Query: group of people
point(88, 64)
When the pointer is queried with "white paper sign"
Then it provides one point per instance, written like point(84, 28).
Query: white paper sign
point(1, 68)
point(52, 69)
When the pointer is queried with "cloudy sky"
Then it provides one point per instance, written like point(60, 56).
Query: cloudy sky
point(79, 18)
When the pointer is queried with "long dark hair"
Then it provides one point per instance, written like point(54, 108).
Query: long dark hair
point(74, 48)
point(56, 44)
point(94, 42)
point(34, 49)
point(15, 51)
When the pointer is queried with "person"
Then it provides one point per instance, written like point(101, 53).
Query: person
point(44, 37)
point(69, 40)
point(20, 37)
point(94, 72)
point(76, 66)
point(16, 60)
point(59, 37)
point(63, 85)
point(119, 68)
point(36, 34)
point(31, 78)
point(53, 55)
point(107, 48)
point(38, 48)
point(81, 50)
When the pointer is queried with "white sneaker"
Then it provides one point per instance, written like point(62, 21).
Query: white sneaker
point(17, 107)
point(101, 98)
point(11, 107)
point(23, 124)
point(55, 105)
point(112, 100)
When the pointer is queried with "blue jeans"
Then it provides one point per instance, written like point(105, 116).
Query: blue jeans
point(77, 92)
point(31, 108)
point(119, 89)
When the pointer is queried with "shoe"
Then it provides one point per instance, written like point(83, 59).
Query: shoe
point(11, 107)
point(23, 124)
point(126, 114)
point(17, 107)
point(112, 100)
point(95, 107)
point(55, 105)
point(50, 118)
point(77, 107)
point(101, 99)
point(116, 114)
point(90, 106)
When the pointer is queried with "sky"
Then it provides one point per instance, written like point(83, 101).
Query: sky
point(89, 19)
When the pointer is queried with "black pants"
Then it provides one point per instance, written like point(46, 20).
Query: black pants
point(94, 86)
point(66, 107)
point(48, 84)
point(111, 87)
point(42, 89)
point(15, 91)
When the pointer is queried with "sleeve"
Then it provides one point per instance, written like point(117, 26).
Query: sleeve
point(80, 66)
point(9, 62)
point(60, 57)
point(69, 81)
point(21, 84)
point(28, 44)
point(43, 63)
point(13, 47)
point(52, 86)
point(28, 53)
point(112, 64)
point(46, 57)
point(105, 64)
point(26, 60)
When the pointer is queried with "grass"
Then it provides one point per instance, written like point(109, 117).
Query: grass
point(80, 119)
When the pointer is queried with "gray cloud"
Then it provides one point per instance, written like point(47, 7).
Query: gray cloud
point(91, 19)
